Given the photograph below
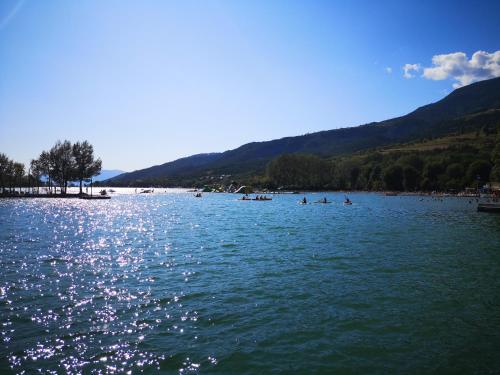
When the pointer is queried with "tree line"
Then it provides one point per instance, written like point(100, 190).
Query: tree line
point(11, 173)
point(452, 168)
point(63, 163)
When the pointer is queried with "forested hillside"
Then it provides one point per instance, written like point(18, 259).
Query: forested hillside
point(449, 163)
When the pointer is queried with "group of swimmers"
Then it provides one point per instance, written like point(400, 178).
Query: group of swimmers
point(324, 200)
point(265, 198)
point(257, 198)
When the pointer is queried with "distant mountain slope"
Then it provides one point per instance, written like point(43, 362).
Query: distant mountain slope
point(447, 115)
point(172, 168)
point(107, 174)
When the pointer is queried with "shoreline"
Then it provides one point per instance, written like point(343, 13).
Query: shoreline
point(54, 196)
point(302, 192)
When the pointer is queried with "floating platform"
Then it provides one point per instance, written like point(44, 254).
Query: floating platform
point(488, 207)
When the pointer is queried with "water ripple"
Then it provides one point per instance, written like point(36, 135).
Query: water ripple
point(170, 283)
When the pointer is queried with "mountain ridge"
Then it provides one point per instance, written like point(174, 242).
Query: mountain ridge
point(430, 120)
point(107, 174)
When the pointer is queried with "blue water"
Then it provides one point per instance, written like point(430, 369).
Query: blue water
point(169, 282)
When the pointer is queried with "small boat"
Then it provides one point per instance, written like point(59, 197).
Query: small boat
point(347, 201)
point(112, 190)
point(146, 191)
point(103, 192)
point(197, 195)
point(264, 198)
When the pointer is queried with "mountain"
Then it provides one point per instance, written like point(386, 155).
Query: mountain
point(174, 168)
point(106, 174)
point(464, 109)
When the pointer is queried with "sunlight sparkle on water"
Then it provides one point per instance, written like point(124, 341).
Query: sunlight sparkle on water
point(187, 285)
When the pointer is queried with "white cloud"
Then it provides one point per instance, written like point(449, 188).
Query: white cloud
point(388, 70)
point(409, 69)
point(482, 65)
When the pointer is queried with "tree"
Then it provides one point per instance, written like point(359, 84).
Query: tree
point(353, 177)
point(432, 171)
point(9, 172)
point(85, 164)
point(62, 164)
point(455, 171)
point(412, 160)
point(18, 169)
point(42, 167)
point(479, 169)
point(36, 172)
point(4, 165)
point(375, 180)
point(393, 177)
point(298, 171)
point(411, 177)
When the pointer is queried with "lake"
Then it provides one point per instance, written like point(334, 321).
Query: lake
point(169, 282)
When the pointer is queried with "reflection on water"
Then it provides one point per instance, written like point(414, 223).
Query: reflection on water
point(169, 282)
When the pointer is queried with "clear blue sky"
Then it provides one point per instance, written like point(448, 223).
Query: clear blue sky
point(147, 82)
